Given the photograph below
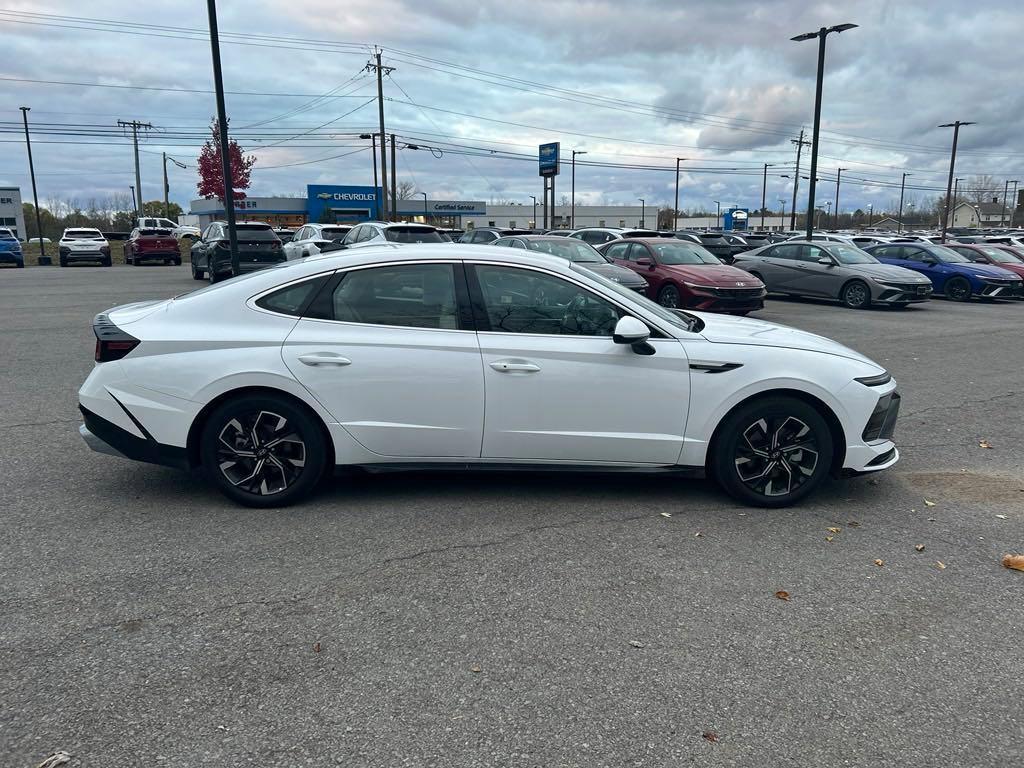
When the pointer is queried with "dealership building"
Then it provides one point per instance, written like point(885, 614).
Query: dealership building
point(329, 203)
point(12, 216)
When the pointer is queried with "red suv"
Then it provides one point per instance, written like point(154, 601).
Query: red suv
point(151, 245)
point(685, 275)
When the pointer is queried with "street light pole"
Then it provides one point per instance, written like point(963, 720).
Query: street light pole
point(871, 210)
point(952, 163)
point(1013, 210)
point(572, 203)
point(675, 210)
point(1002, 215)
point(135, 204)
point(903, 184)
point(821, 34)
point(424, 207)
point(764, 191)
point(718, 215)
point(782, 222)
point(44, 260)
point(222, 119)
point(533, 197)
point(839, 173)
point(643, 210)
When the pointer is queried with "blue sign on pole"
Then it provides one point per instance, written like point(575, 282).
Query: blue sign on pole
point(549, 158)
point(735, 218)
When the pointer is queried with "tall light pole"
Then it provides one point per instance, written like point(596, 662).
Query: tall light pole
point(424, 207)
point(572, 205)
point(839, 174)
point(44, 260)
point(821, 34)
point(373, 161)
point(782, 223)
point(222, 119)
point(1013, 210)
point(675, 210)
point(643, 210)
point(871, 210)
point(764, 191)
point(828, 212)
point(899, 221)
point(135, 204)
point(532, 197)
point(1002, 215)
point(910, 208)
point(718, 215)
point(952, 163)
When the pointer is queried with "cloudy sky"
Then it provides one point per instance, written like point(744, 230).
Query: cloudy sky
point(634, 85)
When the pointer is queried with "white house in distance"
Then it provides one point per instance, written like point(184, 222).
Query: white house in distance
point(984, 215)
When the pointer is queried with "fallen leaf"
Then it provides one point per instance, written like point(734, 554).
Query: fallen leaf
point(833, 530)
point(931, 519)
point(1016, 562)
point(919, 547)
point(940, 565)
point(984, 444)
point(1001, 517)
point(222, 728)
point(782, 594)
point(853, 524)
point(665, 514)
point(636, 643)
point(57, 758)
point(879, 563)
point(697, 535)
point(929, 503)
point(475, 670)
point(316, 647)
point(710, 736)
point(829, 538)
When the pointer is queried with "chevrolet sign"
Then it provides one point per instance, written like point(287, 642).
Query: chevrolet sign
point(347, 196)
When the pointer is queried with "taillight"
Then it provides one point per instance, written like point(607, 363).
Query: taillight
point(111, 342)
point(275, 245)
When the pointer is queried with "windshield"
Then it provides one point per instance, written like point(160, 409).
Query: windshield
point(1000, 256)
point(682, 320)
point(253, 233)
point(332, 232)
point(5, 234)
point(83, 234)
point(847, 254)
point(413, 235)
point(947, 255)
point(682, 252)
point(575, 251)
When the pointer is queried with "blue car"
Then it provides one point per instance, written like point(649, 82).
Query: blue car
point(10, 249)
point(951, 274)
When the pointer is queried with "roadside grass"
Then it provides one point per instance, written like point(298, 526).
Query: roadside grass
point(31, 251)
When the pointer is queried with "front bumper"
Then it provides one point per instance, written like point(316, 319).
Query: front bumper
point(911, 293)
point(725, 299)
point(12, 257)
point(1001, 290)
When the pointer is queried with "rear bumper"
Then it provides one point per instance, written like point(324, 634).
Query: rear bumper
point(106, 437)
point(222, 266)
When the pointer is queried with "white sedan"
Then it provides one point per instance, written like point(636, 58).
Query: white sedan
point(424, 355)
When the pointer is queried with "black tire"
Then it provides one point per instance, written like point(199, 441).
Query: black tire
point(128, 257)
point(107, 262)
point(856, 295)
point(669, 297)
point(20, 265)
point(197, 274)
point(284, 463)
point(63, 261)
point(958, 289)
point(214, 277)
point(742, 446)
point(177, 262)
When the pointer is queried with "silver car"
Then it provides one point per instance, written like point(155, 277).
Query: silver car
point(834, 271)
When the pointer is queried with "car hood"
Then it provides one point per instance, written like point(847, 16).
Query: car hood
point(724, 329)
point(718, 275)
point(1017, 269)
point(982, 270)
point(614, 272)
point(888, 272)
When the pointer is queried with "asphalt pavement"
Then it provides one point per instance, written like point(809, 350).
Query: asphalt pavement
point(514, 620)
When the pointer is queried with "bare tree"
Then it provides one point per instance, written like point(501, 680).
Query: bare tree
point(980, 189)
point(406, 190)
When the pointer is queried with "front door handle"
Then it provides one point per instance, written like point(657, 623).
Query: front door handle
point(514, 366)
point(324, 358)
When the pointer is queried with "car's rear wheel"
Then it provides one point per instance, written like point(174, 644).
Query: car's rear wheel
point(958, 289)
point(263, 451)
point(107, 262)
point(197, 274)
point(669, 297)
point(856, 295)
point(772, 452)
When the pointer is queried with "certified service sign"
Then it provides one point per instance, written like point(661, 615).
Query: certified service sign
point(549, 158)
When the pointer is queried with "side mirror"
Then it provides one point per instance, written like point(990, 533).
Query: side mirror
point(826, 261)
point(629, 330)
point(644, 262)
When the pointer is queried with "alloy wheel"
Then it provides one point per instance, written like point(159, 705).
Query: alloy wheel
point(855, 295)
point(958, 289)
point(776, 455)
point(669, 297)
point(261, 453)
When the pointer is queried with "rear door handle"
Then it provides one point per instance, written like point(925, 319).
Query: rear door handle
point(324, 358)
point(514, 366)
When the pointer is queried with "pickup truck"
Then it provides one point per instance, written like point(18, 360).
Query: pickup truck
point(179, 231)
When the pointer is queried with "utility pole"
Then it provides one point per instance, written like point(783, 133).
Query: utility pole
point(899, 221)
point(839, 173)
point(675, 211)
point(135, 204)
point(764, 191)
point(952, 163)
point(44, 260)
point(167, 190)
point(800, 144)
point(135, 125)
point(782, 218)
point(394, 183)
point(222, 121)
point(1013, 210)
point(534, 198)
point(1002, 215)
point(381, 71)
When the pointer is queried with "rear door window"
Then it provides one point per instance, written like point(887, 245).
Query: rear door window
point(408, 295)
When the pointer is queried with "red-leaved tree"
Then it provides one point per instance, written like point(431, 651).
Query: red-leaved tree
point(211, 174)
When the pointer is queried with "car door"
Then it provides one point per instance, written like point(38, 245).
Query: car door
point(201, 249)
point(129, 247)
point(812, 278)
point(554, 377)
point(776, 266)
point(388, 354)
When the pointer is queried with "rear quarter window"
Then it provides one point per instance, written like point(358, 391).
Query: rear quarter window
point(293, 299)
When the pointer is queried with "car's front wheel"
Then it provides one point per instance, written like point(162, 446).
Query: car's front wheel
point(772, 451)
point(669, 297)
point(856, 295)
point(958, 289)
point(263, 451)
